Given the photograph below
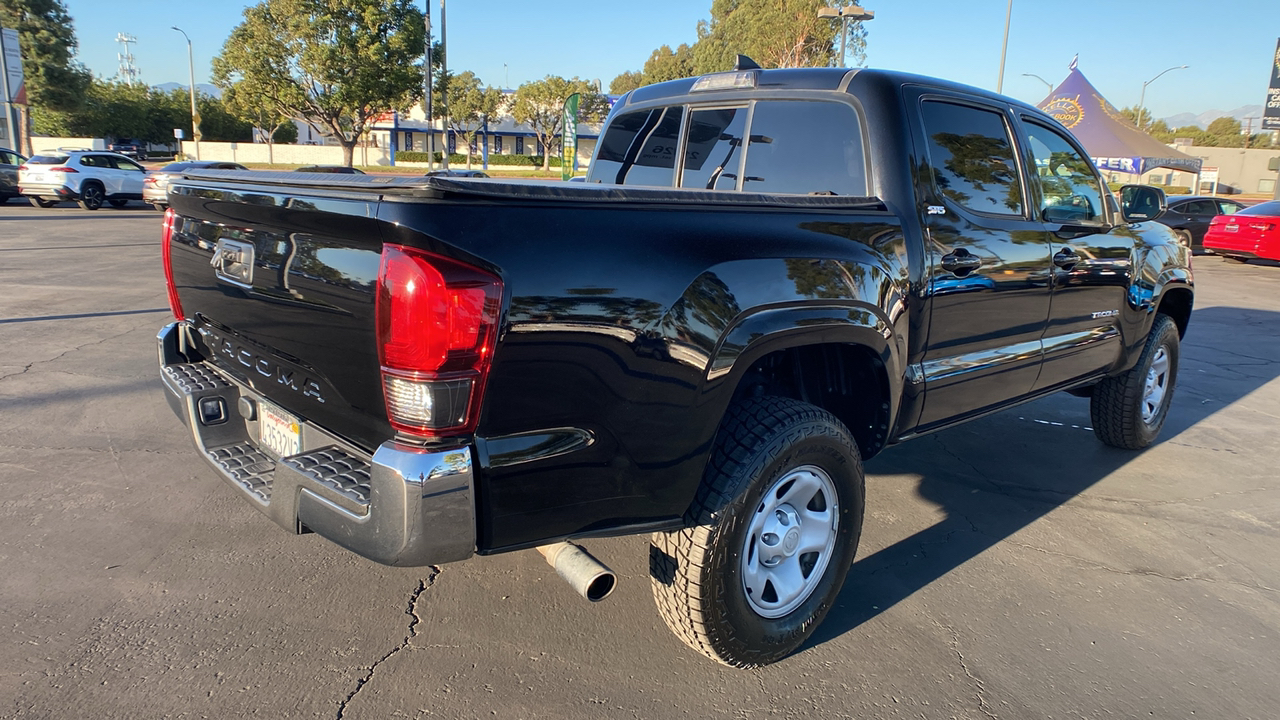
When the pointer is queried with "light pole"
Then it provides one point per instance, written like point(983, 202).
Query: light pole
point(195, 117)
point(1143, 97)
point(851, 12)
point(1004, 46)
point(1046, 82)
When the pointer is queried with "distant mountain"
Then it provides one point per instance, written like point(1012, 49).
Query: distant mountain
point(1203, 119)
point(203, 88)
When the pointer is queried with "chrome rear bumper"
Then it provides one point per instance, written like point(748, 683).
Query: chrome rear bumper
point(405, 505)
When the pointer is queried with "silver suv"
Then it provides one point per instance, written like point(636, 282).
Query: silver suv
point(89, 177)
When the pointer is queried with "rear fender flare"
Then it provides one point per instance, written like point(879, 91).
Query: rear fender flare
point(778, 328)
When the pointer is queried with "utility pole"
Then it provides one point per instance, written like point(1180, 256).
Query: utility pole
point(426, 103)
point(444, 75)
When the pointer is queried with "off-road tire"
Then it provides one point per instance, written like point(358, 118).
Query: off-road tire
point(41, 202)
point(696, 572)
point(118, 202)
point(91, 196)
point(1117, 402)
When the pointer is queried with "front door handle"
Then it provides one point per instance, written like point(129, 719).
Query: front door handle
point(961, 262)
point(1066, 258)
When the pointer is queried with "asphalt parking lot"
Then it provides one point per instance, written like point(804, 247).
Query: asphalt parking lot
point(1010, 568)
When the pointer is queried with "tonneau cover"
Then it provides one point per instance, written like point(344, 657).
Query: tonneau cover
point(532, 189)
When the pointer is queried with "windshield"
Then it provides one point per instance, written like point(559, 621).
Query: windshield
point(48, 159)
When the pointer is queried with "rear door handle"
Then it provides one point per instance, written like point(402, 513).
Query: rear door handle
point(961, 262)
point(1066, 258)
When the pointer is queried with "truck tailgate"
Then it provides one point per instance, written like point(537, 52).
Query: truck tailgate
point(281, 288)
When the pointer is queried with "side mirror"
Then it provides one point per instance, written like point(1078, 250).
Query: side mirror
point(1139, 203)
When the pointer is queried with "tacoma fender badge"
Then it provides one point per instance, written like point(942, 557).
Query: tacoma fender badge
point(1105, 314)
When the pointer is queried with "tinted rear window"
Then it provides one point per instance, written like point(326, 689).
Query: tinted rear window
point(640, 148)
point(175, 167)
point(1266, 208)
point(48, 159)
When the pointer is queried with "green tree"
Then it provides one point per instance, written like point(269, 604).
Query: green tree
point(774, 33)
point(1139, 118)
point(470, 105)
point(667, 64)
point(626, 82)
point(335, 63)
point(55, 82)
point(540, 105)
point(256, 109)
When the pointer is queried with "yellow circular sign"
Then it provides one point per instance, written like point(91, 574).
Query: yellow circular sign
point(1066, 111)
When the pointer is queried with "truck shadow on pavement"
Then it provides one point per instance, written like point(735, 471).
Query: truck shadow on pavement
point(995, 476)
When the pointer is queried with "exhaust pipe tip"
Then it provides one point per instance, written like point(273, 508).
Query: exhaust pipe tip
point(589, 577)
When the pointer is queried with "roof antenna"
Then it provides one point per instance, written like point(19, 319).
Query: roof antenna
point(745, 63)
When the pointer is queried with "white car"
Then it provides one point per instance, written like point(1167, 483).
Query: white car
point(89, 177)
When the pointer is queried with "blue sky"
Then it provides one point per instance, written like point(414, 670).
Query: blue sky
point(1121, 43)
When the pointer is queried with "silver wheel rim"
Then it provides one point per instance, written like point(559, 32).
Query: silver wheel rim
point(789, 541)
point(1157, 386)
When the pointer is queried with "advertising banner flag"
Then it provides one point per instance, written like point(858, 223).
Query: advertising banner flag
point(1271, 110)
point(569, 137)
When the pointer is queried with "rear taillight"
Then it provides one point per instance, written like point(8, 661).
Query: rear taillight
point(148, 181)
point(64, 170)
point(22, 167)
point(170, 219)
point(437, 326)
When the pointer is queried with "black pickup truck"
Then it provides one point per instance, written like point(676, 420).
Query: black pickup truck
point(769, 276)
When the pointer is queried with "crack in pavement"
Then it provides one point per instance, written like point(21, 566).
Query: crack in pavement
point(64, 353)
point(412, 632)
point(981, 692)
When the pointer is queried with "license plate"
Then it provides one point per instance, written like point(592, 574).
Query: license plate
point(1232, 228)
point(278, 432)
point(35, 177)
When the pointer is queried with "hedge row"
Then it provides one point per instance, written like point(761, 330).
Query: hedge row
point(458, 159)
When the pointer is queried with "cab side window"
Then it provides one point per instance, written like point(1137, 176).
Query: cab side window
point(971, 155)
point(1068, 183)
point(805, 147)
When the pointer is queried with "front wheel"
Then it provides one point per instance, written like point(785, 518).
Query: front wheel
point(770, 537)
point(40, 202)
point(1129, 409)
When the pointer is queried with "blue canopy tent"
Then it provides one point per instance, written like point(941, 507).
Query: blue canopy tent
point(1110, 139)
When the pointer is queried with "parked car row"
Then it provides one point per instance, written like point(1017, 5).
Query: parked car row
point(92, 178)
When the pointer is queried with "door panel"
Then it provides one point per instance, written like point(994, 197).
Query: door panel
point(989, 275)
point(1092, 261)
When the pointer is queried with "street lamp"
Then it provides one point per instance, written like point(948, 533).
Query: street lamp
point(195, 117)
point(851, 12)
point(1143, 97)
point(1046, 82)
point(1008, 14)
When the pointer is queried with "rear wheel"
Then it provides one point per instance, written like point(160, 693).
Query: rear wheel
point(1129, 409)
point(770, 537)
point(40, 202)
point(1184, 238)
point(91, 196)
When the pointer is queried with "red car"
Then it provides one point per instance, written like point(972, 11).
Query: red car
point(1251, 233)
